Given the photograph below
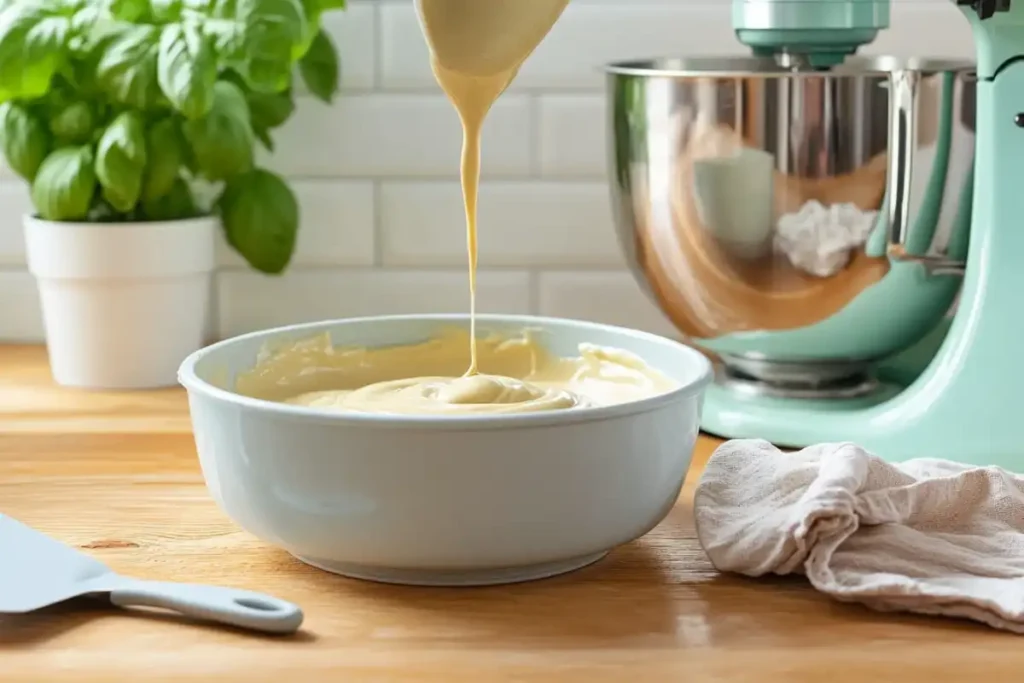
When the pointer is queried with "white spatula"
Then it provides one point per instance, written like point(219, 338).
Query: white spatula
point(37, 571)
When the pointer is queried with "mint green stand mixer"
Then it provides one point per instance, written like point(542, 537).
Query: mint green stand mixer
point(964, 405)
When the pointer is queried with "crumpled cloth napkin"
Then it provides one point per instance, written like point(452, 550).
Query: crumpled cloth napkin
point(927, 536)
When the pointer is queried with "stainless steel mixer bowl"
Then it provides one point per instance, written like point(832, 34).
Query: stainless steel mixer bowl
point(799, 226)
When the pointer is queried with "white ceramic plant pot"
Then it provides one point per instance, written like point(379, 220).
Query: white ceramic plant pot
point(123, 303)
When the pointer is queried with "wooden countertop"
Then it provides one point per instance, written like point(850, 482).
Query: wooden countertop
point(117, 474)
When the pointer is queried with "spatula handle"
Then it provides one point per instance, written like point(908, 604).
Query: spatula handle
point(226, 605)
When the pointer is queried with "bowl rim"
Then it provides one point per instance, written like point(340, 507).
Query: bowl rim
point(740, 65)
point(192, 383)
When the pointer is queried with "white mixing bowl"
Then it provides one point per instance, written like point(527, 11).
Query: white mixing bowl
point(445, 500)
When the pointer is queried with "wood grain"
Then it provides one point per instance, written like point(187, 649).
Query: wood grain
point(116, 474)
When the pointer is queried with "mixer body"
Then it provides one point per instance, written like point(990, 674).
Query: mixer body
point(771, 217)
point(963, 405)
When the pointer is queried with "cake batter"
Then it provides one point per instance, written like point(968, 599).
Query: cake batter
point(428, 378)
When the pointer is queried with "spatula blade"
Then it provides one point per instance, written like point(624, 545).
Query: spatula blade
point(37, 571)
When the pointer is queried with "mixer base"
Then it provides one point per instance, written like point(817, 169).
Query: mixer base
point(853, 386)
point(793, 413)
point(791, 422)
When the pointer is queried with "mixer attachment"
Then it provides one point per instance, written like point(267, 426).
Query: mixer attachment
point(815, 34)
point(754, 377)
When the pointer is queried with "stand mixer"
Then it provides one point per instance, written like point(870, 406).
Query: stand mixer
point(962, 405)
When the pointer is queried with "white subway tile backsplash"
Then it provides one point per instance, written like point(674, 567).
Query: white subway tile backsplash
point(249, 301)
point(611, 297)
point(337, 225)
point(354, 33)
point(586, 37)
point(377, 174)
point(20, 317)
point(519, 224)
point(589, 36)
point(403, 50)
point(572, 136)
point(384, 135)
point(15, 202)
point(925, 28)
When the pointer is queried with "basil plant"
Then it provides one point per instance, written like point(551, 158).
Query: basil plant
point(123, 110)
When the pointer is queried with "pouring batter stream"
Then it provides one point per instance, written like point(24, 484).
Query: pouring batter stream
point(476, 49)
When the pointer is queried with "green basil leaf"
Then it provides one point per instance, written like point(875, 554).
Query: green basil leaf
point(32, 40)
point(73, 122)
point(261, 219)
point(224, 9)
point(311, 8)
point(187, 69)
point(127, 69)
point(320, 69)
point(314, 12)
point(165, 10)
point(270, 110)
point(92, 31)
point(273, 31)
point(227, 38)
point(175, 204)
point(121, 160)
point(63, 188)
point(288, 16)
point(267, 110)
point(222, 141)
point(165, 148)
point(263, 135)
point(128, 10)
point(24, 139)
point(86, 18)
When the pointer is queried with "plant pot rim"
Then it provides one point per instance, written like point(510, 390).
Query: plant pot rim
point(79, 250)
point(31, 218)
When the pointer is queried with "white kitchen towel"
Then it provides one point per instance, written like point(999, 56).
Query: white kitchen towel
point(927, 536)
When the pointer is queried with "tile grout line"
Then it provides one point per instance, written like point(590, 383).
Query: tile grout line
point(536, 137)
point(429, 89)
point(378, 219)
point(533, 291)
point(378, 48)
point(214, 317)
point(432, 269)
point(485, 178)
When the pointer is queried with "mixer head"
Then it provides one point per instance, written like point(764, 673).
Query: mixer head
point(816, 34)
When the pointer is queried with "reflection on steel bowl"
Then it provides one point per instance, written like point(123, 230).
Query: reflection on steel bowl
point(793, 223)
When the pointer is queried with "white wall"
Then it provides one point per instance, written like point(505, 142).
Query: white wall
point(382, 229)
